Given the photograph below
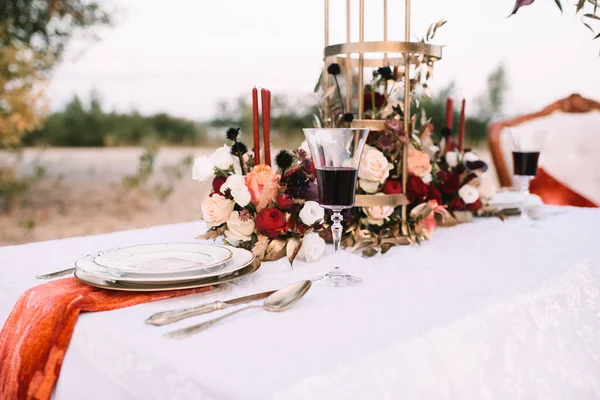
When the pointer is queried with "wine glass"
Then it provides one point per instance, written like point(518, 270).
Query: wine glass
point(527, 145)
point(336, 153)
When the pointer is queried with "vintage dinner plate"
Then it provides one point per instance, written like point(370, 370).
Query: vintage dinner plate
point(158, 287)
point(240, 259)
point(163, 258)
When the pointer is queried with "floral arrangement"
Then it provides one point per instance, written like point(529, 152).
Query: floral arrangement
point(271, 211)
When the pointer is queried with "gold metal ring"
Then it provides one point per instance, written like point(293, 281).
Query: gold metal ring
point(372, 124)
point(370, 200)
point(428, 50)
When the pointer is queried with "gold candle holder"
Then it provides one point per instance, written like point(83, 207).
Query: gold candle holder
point(386, 53)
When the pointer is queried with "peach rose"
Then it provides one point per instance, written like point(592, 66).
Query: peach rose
point(263, 185)
point(418, 163)
point(376, 215)
point(374, 166)
point(216, 210)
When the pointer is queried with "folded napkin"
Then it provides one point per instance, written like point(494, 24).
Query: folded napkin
point(36, 335)
point(554, 192)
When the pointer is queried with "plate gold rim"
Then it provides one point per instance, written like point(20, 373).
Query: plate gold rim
point(253, 266)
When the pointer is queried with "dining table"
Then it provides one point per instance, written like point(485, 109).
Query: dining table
point(488, 309)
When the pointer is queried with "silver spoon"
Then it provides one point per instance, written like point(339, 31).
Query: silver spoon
point(279, 301)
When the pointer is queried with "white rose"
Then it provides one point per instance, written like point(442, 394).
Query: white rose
point(311, 213)
point(238, 229)
point(469, 194)
point(239, 190)
point(222, 158)
point(203, 169)
point(304, 146)
point(427, 178)
point(373, 165)
point(313, 247)
point(216, 210)
point(368, 186)
point(376, 215)
point(470, 156)
point(452, 159)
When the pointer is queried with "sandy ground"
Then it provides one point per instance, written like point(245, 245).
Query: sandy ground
point(83, 194)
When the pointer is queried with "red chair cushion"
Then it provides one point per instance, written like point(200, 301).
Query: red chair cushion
point(553, 192)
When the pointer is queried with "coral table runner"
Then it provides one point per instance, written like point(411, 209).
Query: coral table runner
point(36, 335)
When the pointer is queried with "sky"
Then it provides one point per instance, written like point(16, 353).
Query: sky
point(183, 56)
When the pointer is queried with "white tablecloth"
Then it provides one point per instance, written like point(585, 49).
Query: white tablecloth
point(486, 310)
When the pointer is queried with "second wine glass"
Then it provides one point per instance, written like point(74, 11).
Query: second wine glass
point(336, 153)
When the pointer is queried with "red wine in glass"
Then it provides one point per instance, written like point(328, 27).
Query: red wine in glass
point(525, 163)
point(337, 186)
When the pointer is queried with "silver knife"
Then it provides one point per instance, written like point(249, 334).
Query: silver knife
point(167, 317)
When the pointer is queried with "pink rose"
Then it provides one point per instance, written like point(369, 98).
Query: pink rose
point(216, 210)
point(418, 163)
point(263, 185)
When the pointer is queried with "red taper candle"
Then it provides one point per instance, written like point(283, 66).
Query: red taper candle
point(266, 117)
point(255, 126)
point(449, 113)
point(461, 133)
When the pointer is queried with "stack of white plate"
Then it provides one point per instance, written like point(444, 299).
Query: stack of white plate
point(164, 266)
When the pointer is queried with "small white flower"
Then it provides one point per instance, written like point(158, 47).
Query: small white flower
point(368, 186)
point(311, 213)
point(304, 146)
point(469, 194)
point(239, 190)
point(222, 158)
point(470, 156)
point(452, 159)
point(313, 247)
point(427, 178)
point(239, 230)
point(203, 169)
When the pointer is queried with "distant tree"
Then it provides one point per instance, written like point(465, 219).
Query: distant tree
point(491, 102)
point(33, 37)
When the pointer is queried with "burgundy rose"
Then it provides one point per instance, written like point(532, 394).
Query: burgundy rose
point(284, 201)
point(217, 182)
point(379, 100)
point(416, 189)
point(392, 186)
point(474, 206)
point(270, 222)
point(449, 182)
point(457, 204)
point(434, 194)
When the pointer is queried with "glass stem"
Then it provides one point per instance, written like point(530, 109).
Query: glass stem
point(523, 182)
point(336, 232)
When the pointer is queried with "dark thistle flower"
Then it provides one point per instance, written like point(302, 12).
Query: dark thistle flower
point(398, 111)
point(284, 160)
point(227, 194)
point(239, 149)
point(298, 182)
point(233, 133)
point(386, 73)
point(348, 117)
point(334, 69)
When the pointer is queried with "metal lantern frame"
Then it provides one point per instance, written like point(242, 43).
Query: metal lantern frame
point(395, 53)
